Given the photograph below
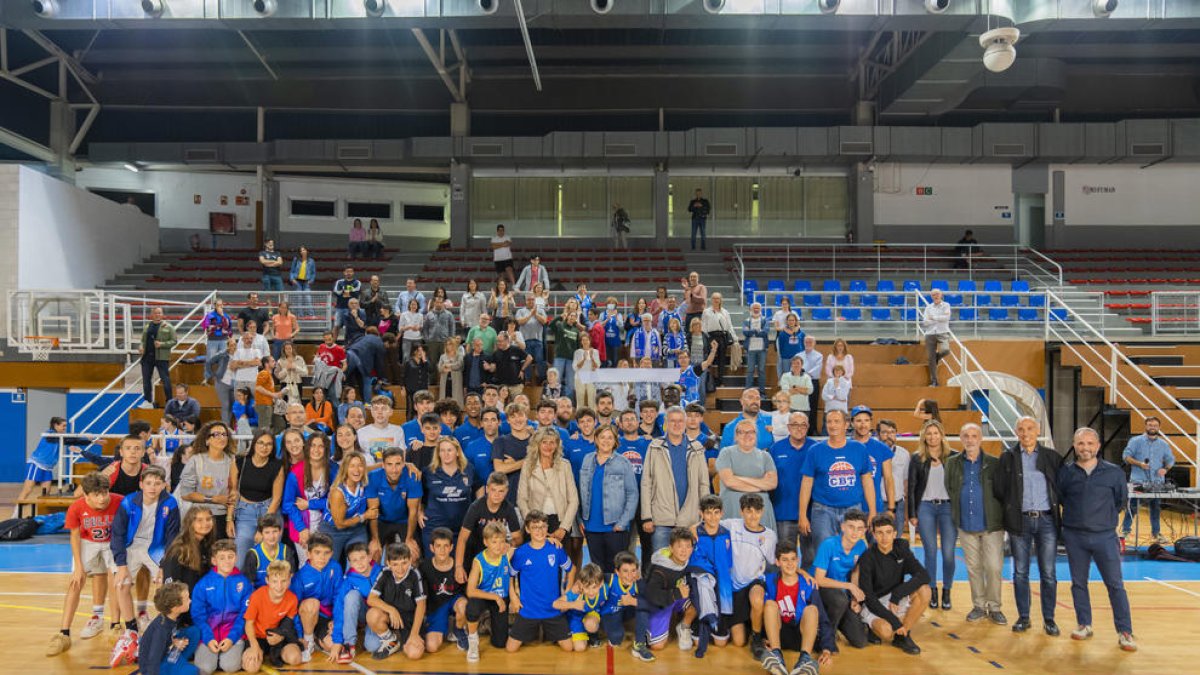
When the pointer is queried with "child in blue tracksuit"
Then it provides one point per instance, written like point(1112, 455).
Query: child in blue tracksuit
point(621, 597)
point(162, 651)
point(39, 468)
point(710, 569)
point(316, 586)
point(350, 610)
point(218, 610)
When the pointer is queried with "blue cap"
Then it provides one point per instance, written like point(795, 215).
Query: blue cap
point(859, 409)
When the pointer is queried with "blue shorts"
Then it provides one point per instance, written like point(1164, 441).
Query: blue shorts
point(660, 621)
point(438, 620)
point(37, 474)
point(575, 624)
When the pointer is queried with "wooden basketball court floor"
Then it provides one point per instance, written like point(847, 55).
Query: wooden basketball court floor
point(1165, 598)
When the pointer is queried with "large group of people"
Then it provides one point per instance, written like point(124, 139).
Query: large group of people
point(330, 528)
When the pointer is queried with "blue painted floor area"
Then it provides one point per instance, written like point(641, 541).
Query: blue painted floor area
point(53, 554)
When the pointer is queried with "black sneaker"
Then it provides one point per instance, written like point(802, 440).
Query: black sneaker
point(1023, 625)
point(641, 652)
point(872, 638)
point(758, 647)
point(1052, 628)
point(595, 641)
point(905, 644)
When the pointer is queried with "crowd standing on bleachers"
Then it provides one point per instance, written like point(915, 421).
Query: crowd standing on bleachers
point(326, 531)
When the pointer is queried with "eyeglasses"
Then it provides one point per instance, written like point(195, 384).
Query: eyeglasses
point(746, 432)
point(218, 434)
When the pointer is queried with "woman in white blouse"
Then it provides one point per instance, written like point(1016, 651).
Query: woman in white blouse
point(779, 317)
point(473, 303)
point(410, 328)
point(587, 359)
point(840, 356)
point(716, 324)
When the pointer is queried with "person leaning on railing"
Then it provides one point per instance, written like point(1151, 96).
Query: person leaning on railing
point(935, 321)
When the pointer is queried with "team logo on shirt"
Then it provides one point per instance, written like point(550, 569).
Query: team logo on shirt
point(238, 587)
point(635, 459)
point(842, 475)
point(550, 560)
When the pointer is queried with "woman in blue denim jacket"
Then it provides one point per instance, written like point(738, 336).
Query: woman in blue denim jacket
point(608, 499)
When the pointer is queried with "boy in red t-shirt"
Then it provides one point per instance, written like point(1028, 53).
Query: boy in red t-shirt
point(271, 622)
point(90, 521)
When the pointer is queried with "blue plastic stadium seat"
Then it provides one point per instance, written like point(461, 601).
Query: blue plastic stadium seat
point(822, 314)
point(954, 299)
point(767, 312)
point(1027, 314)
point(910, 314)
point(760, 298)
point(911, 285)
point(966, 314)
point(1037, 301)
point(831, 286)
point(1020, 286)
point(1007, 300)
point(868, 300)
point(996, 314)
point(775, 285)
point(982, 300)
point(779, 299)
point(841, 300)
point(881, 315)
point(966, 285)
point(939, 284)
point(750, 285)
point(895, 301)
point(812, 300)
point(1059, 314)
point(852, 314)
point(885, 286)
point(992, 285)
point(801, 285)
point(858, 286)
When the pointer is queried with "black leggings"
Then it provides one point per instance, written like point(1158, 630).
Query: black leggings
point(842, 618)
point(499, 620)
point(604, 546)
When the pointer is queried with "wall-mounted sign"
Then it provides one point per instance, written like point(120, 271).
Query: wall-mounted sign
point(923, 191)
point(1099, 190)
point(195, 199)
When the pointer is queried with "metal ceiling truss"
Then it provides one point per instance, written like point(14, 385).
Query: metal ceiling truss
point(68, 68)
point(886, 51)
point(449, 72)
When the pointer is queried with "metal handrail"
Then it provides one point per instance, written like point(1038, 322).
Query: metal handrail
point(964, 359)
point(1113, 377)
point(1189, 307)
point(135, 364)
point(1057, 274)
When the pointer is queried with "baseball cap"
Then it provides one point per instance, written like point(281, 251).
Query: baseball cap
point(859, 409)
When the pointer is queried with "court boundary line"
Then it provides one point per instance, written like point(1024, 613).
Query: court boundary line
point(1172, 586)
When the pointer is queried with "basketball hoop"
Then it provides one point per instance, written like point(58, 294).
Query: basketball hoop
point(39, 346)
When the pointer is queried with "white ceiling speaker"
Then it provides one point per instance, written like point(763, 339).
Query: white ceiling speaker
point(152, 8)
point(488, 6)
point(936, 6)
point(602, 6)
point(375, 8)
point(1104, 8)
point(828, 6)
point(264, 8)
point(47, 9)
point(998, 50)
point(713, 6)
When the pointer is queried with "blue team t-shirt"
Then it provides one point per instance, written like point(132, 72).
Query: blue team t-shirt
point(393, 500)
point(832, 558)
point(574, 450)
point(635, 452)
point(877, 453)
point(836, 472)
point(539, 573)
point(788, 461)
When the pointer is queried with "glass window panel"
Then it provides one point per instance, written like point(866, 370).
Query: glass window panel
point(683, 189)
point(636, 194)
point(493, 201)
point(537, 208)
point(585, 209)
point(732, 207)
point(780, 206)
point(826, 206)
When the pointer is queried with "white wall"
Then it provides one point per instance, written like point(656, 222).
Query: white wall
point(963, 195)
point(71, 238)
point(1166, 194)
point(10, 182)
point(176, 195)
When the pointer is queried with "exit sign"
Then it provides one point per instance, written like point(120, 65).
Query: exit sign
point(923, 191)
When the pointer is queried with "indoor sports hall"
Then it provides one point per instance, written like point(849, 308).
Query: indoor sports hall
point(520, 337)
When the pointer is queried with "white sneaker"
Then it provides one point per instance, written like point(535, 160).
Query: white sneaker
point(92, 628)
point(146, 405)
point(686, 642)
point(472, 648)
point(1126, 642)
point(1082, 633)
point(306, 654)
point(143, 622)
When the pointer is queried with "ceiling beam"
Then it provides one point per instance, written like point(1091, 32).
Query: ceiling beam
point(439, 65)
